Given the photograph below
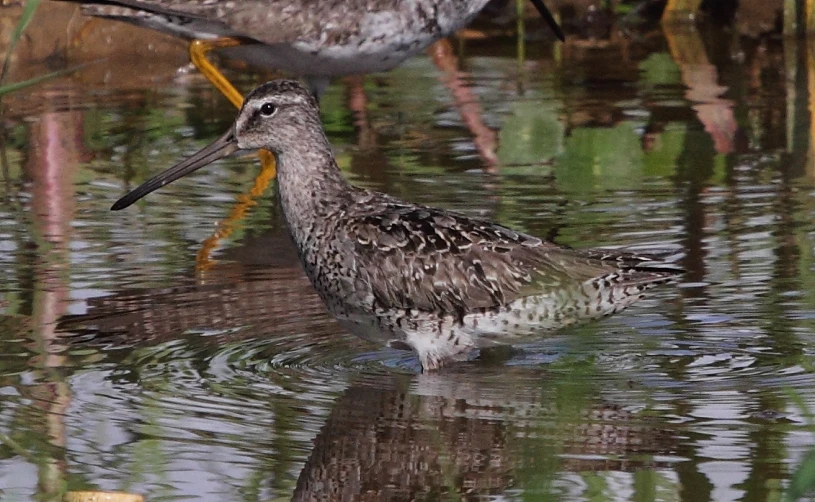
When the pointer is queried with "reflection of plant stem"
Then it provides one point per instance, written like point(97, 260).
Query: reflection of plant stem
point(17, 447)
point(810, 16)
point(519, 9)
point(809, 416)
point(790, 12)
point(681, 9)
point(810, 76)
point(803, 479)
point(4, 167)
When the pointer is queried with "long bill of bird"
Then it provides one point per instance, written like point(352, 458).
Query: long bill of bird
point(222, 147)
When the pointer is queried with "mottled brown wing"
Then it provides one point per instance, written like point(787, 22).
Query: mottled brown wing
point(139, 8)
point(428, 259)
point(286, 21)
point(267, 21)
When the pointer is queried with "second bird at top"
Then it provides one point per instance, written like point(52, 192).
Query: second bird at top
point(316, 40)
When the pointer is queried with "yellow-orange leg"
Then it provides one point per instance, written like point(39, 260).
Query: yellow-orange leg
point(86, 29)
point(198, 51)
point(203, 261)
point(198, 56)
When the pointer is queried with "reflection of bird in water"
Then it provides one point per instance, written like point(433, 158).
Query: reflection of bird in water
point(315, 39)
point(409, 275)
point(387, 439)
point(231, 307)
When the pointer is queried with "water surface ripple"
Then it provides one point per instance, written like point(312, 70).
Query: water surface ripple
point(176, 350)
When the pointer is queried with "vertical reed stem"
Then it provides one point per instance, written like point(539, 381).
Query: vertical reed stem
point(681, 10)
point(521, 48)
point(810, 16)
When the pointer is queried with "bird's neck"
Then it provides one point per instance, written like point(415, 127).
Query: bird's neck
point(311, 189)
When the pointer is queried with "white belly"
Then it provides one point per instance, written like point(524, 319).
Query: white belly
point(331, 61)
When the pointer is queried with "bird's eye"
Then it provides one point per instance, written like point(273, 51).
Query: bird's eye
point(267, 109)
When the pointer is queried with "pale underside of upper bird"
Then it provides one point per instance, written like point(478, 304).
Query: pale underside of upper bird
point(412, 276)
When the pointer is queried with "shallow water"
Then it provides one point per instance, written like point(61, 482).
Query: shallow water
point(175, 350)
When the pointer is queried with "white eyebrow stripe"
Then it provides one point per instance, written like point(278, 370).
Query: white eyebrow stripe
point(281, 100)
point(296, 99)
